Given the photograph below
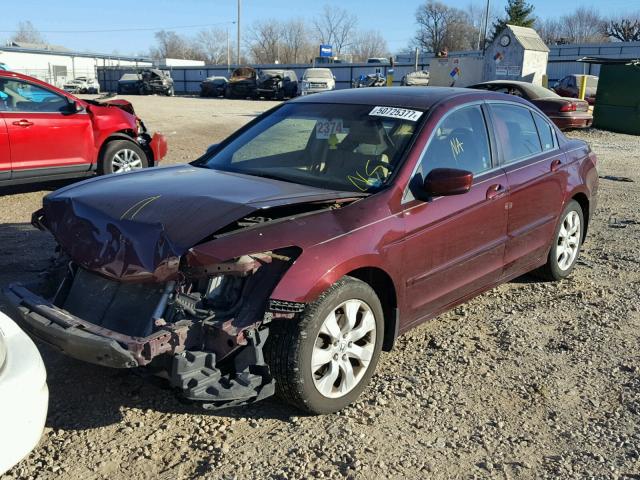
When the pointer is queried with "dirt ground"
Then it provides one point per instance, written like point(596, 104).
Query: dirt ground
point(529, 380)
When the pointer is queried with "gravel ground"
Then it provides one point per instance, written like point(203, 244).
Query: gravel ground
point(529, 380)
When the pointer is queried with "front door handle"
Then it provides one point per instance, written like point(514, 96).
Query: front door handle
point(494, 191)
point(555, 165)
point(23, 123)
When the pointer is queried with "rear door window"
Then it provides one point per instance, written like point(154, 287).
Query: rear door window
point(515, 131)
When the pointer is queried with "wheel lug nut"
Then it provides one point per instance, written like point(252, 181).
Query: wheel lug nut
point(335, 356)
point(344, 357)
point(350, 344)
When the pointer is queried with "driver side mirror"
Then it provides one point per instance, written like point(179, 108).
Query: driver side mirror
point(442, 182)
point(73, 106)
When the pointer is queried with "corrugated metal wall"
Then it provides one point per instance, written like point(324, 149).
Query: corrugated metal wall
point(562, 62)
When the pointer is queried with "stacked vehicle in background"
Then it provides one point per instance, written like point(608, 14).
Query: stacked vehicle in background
point(213, 87)
point(272, 84)
point(82, 85)
point(146, 82)
point(569, 86)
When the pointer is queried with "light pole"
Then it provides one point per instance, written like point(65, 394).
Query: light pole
point(238, 39)
point(228, 51)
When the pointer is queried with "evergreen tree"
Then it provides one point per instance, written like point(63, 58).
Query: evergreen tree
point(519, 13)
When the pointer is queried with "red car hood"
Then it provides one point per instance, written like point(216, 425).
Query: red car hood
point(135, 227)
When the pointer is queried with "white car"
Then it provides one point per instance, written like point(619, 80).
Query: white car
point(24, 396)
point(82, 85)
point(317, 80)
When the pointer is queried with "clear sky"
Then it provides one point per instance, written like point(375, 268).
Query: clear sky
point(395, 18)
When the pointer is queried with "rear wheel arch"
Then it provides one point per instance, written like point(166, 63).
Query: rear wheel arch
point(583, 201)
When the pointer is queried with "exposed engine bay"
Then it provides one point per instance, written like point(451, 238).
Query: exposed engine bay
point(202, 327)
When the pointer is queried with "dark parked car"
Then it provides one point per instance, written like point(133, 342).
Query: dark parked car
point(569, 86)
point(243, 83)
point(146, 82)
point(213, 87)
point(277, 84)
point(564, 112)
point(306, 242)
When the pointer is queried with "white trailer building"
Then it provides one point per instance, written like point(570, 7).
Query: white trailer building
point(56, 65)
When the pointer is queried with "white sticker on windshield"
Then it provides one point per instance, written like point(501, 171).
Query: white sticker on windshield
point(393, 112)
point(326, 128)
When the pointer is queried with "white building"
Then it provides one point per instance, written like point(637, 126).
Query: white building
point(56, 65)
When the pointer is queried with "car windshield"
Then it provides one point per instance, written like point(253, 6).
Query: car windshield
point(334, 146)
point(318, 73)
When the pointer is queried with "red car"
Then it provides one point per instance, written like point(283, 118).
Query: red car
point(306, 242)
point(569, 86)
point(566, 113)
point(48, 134)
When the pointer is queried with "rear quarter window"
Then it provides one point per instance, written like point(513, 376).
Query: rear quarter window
point(515, 131)
point(545, 130)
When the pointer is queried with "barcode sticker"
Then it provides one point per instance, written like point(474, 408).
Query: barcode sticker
point(393, 112)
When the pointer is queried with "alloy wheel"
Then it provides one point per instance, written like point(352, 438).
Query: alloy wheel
point(126, 160)
point(343, 348)
point(568, 241)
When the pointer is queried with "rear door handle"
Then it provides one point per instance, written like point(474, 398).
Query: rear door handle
point(494, 191)
point(555, 165)
point(23, 123)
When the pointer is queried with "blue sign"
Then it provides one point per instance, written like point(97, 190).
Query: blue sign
point(326, 51)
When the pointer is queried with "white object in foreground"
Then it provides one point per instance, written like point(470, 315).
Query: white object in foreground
point(24, 396)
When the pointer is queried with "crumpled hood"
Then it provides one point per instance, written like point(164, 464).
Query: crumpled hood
point(135, 227)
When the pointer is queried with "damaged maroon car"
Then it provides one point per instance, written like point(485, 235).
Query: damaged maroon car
point(287, 257)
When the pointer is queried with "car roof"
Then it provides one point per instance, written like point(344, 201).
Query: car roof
point(533, 91)
point(414, 97)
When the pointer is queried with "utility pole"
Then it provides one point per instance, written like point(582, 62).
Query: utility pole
point(228, 51)
point(238, 45)
point(486, 27)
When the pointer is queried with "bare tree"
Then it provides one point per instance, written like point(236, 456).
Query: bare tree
point(172, 45)
point(27, 33)
point(296, 47)
point(265, 40)
point(550, 30)
point(624, 29)
point(213, 45)
point(476, 14)
point(583, 26)
point(367, 44)
point(443, 28)
point(335, 26)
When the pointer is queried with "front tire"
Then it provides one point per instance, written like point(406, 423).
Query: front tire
point(565, 248)
point(121, 156)
point(324, 361)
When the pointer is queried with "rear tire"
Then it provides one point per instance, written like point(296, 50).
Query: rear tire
point(120, 156)
point(565, 248)
point(324, 361)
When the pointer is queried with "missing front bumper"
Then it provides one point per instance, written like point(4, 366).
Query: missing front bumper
point(195, 374)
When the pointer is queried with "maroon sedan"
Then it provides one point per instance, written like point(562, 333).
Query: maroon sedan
point(566, 113)
point(287, 257)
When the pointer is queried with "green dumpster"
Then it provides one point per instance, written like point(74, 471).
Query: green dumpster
point(617, 106)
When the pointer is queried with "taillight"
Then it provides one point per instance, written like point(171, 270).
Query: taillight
point(569, 107)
